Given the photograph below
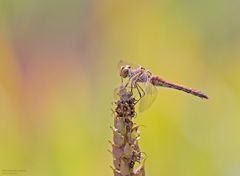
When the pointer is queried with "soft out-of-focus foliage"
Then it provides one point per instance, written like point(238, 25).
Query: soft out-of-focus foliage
point(58, 69)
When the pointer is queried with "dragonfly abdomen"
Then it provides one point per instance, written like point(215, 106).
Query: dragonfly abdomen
point(156, 81)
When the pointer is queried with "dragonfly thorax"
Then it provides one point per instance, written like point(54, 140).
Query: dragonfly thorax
point(139, 74)
point(144, 77)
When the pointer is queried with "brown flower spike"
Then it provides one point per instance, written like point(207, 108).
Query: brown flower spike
point(125, 149)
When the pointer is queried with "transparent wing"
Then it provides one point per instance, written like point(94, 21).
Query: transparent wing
point(123, 63)
point(150, 96)
point(115, 93)
point(118, 91)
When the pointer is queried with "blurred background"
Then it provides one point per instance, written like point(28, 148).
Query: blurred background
point(58, 69)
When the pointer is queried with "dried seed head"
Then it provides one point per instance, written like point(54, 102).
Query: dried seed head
point(140, 171)
point(124, 168)
point(125, 149)
point(118, 139)
point(116, 163)
point(117, 152)
point(128, 150)
point(119, 124)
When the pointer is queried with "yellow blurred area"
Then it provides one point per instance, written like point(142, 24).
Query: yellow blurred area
point(58, 70)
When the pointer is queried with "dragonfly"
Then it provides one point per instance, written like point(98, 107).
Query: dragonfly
point(137, 76)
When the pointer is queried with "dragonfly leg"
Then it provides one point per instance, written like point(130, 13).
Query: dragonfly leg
point(140, 95)
point(139, 92)
point(130, 80)
point(141, 89)
point(132, 86)
point(126, 83)
point(133, 79)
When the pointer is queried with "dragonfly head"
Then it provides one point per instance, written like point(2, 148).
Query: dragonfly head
point(125, 71)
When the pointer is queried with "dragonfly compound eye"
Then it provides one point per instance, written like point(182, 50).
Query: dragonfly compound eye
point(124, 71)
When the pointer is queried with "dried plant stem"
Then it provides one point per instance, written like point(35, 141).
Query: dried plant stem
point(125, 148)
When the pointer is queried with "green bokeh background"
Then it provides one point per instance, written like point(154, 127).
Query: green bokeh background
point(58, 69)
